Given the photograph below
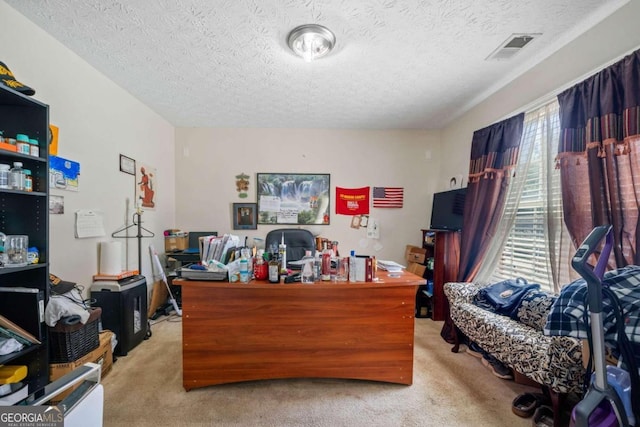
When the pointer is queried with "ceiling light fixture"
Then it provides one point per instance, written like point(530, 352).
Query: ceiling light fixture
point(311, 41)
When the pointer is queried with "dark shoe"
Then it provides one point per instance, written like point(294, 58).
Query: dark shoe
point(474, 350)
point(525, 404)
point(498, 368)
point(543, 417)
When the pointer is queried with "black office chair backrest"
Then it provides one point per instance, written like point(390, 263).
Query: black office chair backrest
point(297, 240)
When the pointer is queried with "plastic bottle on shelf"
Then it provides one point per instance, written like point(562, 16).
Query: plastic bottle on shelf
point(16, 176)
point(4, 175)
point(306, 273)
point(34, 147)
point(22, 143)
point(28, 180)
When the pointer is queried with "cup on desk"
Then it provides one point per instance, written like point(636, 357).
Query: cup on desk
point(342, 269)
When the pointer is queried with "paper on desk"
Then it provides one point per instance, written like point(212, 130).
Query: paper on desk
point(389, 265)
point(89, 223)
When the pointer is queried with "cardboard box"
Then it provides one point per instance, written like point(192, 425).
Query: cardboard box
point(176, 243)
point(417, 269)
point(415, 254)
point(102, 355)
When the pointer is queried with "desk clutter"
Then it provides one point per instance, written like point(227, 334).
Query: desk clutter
point(285, 255)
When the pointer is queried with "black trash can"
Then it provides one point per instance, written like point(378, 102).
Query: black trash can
point(124, 310)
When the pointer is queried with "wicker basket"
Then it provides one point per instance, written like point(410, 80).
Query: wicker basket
point(70, 342)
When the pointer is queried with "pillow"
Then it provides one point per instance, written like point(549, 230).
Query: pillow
point(534, 309)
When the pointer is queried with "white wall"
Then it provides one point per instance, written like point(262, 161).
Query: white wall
point(209, 159)
point(98, 120)
point(606, 42)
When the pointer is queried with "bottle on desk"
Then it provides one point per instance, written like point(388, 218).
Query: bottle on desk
point(274, 269)
point(326, 264)
point(244, 269)
point(282, 255)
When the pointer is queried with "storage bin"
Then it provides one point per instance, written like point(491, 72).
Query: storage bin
point(68, 343)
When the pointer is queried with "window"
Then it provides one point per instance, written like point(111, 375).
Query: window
point(533, 211)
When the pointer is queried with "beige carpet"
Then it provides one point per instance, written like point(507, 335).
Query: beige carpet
point(145, 389)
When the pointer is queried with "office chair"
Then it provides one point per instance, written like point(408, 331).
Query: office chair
point(297, 240)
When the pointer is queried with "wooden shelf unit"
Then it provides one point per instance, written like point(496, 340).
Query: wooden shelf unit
point(444, 248)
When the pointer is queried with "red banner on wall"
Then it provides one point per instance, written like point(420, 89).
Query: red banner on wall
point(352, 201)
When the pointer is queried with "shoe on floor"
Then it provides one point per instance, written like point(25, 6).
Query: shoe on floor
point(498, 368)
point(525, 404)
point(543, 417)
point(474, 350)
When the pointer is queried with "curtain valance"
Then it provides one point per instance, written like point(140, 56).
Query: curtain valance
point(494, 149)
point(601, 110)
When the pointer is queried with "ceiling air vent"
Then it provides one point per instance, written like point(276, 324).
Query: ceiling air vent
point(514, 44)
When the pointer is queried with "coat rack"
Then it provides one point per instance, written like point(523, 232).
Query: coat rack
point(137, 222)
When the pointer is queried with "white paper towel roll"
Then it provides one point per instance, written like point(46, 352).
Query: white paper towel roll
point(110, 258)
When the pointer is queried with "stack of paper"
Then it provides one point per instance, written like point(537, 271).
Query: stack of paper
point(389, 265)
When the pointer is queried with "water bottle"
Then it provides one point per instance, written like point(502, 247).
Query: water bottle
point(306, 275)
point(16, 176)
point(244, 270)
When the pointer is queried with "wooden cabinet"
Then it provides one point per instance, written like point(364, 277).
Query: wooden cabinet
point(443, 247)
point(27, 213)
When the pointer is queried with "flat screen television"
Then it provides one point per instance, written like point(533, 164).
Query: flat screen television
point(448, 209)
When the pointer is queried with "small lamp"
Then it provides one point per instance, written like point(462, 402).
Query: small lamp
point(311, 41)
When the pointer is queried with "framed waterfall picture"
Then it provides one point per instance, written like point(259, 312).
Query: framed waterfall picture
point(293, 198)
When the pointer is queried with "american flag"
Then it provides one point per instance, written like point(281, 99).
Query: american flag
point(388, 197)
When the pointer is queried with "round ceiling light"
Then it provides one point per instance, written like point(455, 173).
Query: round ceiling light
point(311, 41)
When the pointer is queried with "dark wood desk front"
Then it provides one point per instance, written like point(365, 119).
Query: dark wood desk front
point(234, 332)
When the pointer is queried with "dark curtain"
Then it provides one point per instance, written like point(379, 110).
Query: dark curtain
point(599, 156)
point(494, 153)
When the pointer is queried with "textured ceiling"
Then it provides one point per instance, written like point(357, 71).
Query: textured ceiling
point(225, 63)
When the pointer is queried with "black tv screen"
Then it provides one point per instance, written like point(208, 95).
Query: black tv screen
point(448, 209)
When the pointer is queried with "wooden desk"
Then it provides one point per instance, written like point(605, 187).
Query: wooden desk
point(234, 332)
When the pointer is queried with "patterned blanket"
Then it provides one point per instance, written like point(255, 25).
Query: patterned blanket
point(567, 316)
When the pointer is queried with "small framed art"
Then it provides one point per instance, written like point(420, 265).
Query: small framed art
point(127, 165)
point(245, 216)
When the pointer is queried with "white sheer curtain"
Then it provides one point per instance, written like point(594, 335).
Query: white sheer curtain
point(532, 241)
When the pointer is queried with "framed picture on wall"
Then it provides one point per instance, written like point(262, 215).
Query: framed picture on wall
point(245, 216)
point(293, 198)
point(127, 165)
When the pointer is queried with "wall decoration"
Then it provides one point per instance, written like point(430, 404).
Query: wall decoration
point(359, 221)
point(245, 216)
point(56, 205)
point(242, 185)
point(352, 201)
point(127, 165)
point(388, 197)
point(293, 198)
point(63, 174)
point(146, 186)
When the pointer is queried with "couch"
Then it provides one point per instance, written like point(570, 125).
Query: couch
point(554, 362)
